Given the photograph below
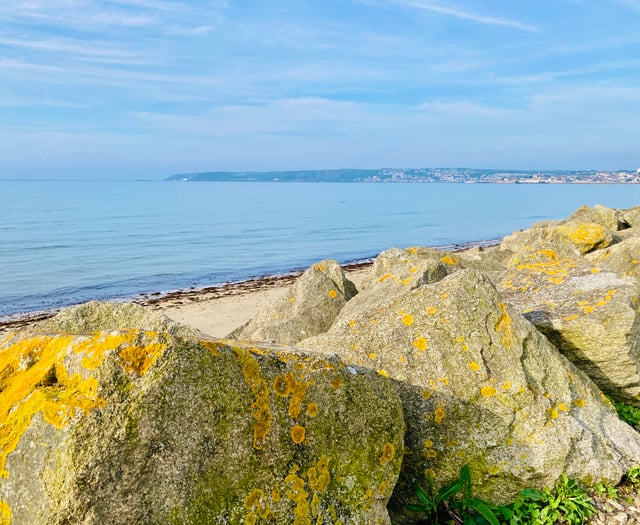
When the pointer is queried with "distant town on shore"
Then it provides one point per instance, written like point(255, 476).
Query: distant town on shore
point(457, 175)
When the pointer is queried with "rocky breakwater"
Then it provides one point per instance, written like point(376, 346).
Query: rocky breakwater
point(487, 376)
point(113, 414)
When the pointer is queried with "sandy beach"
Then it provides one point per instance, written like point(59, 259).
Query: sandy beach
point(218, 313)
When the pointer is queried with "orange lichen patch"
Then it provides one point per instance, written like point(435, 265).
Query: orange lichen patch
point(352, 323)
point(474, 366)
point(406, 281)
point(5, 513)
point(413, 269)
point(385, 277)
point(421, 344)
point(443, 380)
point(552, 413)
point(431, 310)
point(320, 267)
point(412, 250)
point(261, 411)
point(506, 385)
point(140, 359)
point(383, 372)
point(595, 270)
point(298, 495)
point(336, 382)
point(571, 317)
point(428, 443)
point(319, 475)
point(407, 319)
point(579, 402)
point(444, 295)
point(488, 391)
point(430, 453)
point(504, 325)
point(372, 355)
point(439, 414)
point(298, 434)
point(292, 299)
point(388, 453)
point(298, 392)
point(312, 409)
point(563, 407)
point(333, 294)
point(282, 385)
point(447, 259)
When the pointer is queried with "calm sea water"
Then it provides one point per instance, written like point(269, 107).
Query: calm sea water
point(65, 242)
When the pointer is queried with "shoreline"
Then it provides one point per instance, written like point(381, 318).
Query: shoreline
point(175, 300)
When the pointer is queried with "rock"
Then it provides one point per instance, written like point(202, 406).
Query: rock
point(313, 303)
point(480, 386)
point(97, 316)
point(586, 310)
point(410, 268)
point(124, 427)
point(631, 216)
point(622, 258)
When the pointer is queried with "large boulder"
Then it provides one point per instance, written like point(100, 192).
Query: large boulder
point(314, 301)
point(97, 316)
point(481, 386)
point(586, 305)
point(131, 426)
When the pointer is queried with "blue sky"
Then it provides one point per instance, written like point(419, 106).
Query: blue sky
point(147, 88)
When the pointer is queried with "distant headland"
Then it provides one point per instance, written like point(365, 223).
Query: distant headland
point(457, 175)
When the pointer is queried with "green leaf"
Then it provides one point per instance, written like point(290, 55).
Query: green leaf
point(484, 509)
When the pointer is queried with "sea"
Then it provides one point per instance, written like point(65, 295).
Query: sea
point(66, 242)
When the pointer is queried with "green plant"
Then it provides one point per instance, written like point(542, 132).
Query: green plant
point(602, 489)
point(633, 476)
point(567, 502)
point(454, 503)
point(629, 414)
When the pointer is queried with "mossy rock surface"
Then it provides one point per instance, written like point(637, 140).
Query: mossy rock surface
point(313, 302)
point(131, 426)
point(482, 387)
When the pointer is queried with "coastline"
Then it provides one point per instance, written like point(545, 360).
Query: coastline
point(215, 308)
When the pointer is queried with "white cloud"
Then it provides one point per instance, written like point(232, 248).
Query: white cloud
point(463, 109)
point(467, 15)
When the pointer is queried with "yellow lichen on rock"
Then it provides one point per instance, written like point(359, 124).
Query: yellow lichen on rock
point(586, 236)
point(388, 453)
point(504, 325)
point(5, 513)
point(261, 410)
point(33, 379)
point(298, 434)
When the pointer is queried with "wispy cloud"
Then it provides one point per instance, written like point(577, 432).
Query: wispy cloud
point(468, 15)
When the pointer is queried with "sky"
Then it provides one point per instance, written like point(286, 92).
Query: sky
point(148, 88)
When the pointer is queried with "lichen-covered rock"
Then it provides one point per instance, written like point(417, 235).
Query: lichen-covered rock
point(408, 268)
point(591, 315)
point(314, 301)
point(97, 316)
point(622, 258)
point(124, 427)
point(480, 386)
point(631, 216)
